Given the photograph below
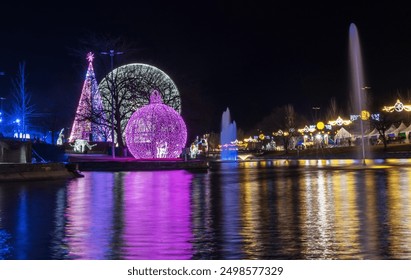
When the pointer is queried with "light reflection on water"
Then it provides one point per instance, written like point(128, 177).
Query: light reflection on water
point(275, 209)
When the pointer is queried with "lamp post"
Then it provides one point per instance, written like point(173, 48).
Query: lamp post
point(316, 109)
point(112, 53)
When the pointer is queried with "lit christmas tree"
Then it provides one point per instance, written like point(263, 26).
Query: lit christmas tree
point(90, 121)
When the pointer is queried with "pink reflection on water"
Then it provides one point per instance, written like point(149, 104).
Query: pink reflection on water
point(90, 216)
point(157, 215)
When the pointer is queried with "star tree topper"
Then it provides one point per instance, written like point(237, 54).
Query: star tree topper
point(90, 57)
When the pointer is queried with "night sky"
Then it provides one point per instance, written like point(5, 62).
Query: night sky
point(245, 55)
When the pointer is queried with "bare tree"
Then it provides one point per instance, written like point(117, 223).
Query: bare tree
point(213, 141)
point(382, 124)
point(290, 130)
point(128, 88)
point(282, 123)
point(123, 89)
point(22, 107)
point(332, 111)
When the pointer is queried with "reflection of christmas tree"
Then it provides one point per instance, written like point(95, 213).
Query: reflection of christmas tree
point(90, 121)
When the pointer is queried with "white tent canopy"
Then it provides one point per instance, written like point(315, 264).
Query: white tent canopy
point(401, 128)
point(408, 129)
point(390, 130)
point(373, 133)
point(342, 133)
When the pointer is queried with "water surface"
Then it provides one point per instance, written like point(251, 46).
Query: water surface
point(319, 209)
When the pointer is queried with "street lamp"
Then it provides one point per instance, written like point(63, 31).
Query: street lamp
point(316, 109)
point(112, 53)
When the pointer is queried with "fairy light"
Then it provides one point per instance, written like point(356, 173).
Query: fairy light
point(398, 107)
point(90, 101)
point(156, 131)
point(339, 121)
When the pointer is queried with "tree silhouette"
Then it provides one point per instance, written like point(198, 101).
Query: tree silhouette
point(382, 124)
point(127, 88)
point(22, 108)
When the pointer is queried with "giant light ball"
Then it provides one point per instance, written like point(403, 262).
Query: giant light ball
point(156, 131)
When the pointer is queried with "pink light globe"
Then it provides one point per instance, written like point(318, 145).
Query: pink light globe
point(156, 131)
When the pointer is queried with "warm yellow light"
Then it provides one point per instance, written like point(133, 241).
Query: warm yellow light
point(365, 115)
point(398, 107)
point(320, 125)
point(339, 121)
point(261, 136)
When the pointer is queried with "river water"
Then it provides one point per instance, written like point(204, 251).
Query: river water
point(274, 209)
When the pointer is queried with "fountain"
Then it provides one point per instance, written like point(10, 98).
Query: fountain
point(228, 135)
point(357, 78)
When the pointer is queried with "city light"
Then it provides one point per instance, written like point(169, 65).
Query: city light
point(398, 107)
point(339, 121)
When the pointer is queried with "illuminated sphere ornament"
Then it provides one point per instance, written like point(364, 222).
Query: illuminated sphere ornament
point(132, 85)
point(320, 125)
point(155, 131)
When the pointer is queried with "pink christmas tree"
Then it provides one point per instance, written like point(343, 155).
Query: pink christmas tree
point(90, 121)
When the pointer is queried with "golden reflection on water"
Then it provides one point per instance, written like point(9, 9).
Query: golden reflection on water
point(250, 210)
point(370, 213)
point(355, 213)
point(346, 215)
point(285, 220)
point(399, 213)
point(316, 221)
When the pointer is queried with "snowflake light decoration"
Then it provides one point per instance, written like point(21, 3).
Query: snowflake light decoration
point(155, 131)
point(398, 107)
point(339, 121)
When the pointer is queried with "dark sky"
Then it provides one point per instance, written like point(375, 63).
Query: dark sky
point(250, 56)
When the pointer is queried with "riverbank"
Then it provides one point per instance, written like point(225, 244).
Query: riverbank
point(37, 171)
point(101, 162)
point(85, 162)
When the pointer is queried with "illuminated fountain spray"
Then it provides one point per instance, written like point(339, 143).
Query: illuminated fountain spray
point(357, 79)
point(228, 135)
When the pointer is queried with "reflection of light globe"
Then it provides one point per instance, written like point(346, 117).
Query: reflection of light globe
point(156, 131)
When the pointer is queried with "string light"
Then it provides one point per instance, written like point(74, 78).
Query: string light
point(398, 107)
point(156, 131)
point(339, 121)
point(90, 103)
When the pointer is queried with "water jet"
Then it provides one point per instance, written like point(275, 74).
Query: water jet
point(357, 80)
point(227, 136)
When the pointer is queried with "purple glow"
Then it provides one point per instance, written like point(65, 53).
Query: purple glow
point(88, 231)
point(156, 131)
point(157, 216)
point(90, 103)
